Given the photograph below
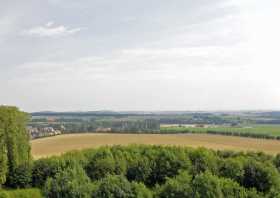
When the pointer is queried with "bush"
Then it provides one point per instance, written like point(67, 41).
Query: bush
point(21, 176)
point(44, 168)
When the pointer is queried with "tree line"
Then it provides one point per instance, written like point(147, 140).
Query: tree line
point(154, 171)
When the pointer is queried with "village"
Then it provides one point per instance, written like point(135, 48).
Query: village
point(39, 132)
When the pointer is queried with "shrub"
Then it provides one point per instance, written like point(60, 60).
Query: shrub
point(21, 176)
point(44, 168)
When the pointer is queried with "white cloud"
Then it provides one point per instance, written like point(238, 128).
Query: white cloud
point(51, 30)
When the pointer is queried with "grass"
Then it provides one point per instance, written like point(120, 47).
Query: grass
point(21, 193)
point(271, 130)
point(60, 144)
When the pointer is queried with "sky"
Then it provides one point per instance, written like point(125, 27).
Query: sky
point(69, 55)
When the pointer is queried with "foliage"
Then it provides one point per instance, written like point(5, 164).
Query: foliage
point(70, 183)
point(22, 193)
point(167, 163)
point(206, 185)
point(139, 170)
point(14, 142)
point(231, 168)
point(44, 168)
point(113, 186)
point(231, 189)
point(262, 176)
point(119, 187)
point(21, 177)
point(101, 165)
point(180, 186)
point(203, 160)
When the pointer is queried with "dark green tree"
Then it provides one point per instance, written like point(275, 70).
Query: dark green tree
point(21, 177)
point(99, 168)
point(167, 163)
point(139, 170)
point(232, 168)
point(262, 176)
point(44, 168)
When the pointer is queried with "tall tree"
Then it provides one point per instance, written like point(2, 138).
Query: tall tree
point(14, 138)
point(3, 155)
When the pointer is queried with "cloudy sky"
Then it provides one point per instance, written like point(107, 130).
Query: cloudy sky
point(68, 55)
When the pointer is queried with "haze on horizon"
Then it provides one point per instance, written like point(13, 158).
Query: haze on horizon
point(68, 55)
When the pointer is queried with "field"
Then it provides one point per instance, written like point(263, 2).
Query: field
point(63, 143)
point(269, 130)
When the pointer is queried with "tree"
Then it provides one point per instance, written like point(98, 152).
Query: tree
point(262, 176)
point(3, 156)
point(71, 183)
point(113, 186)
point(99, 168)
point(167, 163)
point(277, 162)
point(232, 168)
point(180, 186)
point(232, 189)
point(14, 141)
point(202, 160)
point(45, 168)
point(139, 170)
point(140, 190)
point(21, 177)
point(206, 185)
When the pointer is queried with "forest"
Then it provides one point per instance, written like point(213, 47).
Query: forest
point(134, 171)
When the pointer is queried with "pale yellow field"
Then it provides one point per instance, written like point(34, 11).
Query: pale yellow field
point(63, 143)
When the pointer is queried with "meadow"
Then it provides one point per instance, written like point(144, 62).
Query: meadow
point(60, 144)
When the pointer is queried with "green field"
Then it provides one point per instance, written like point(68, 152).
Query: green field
point(265, 131)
